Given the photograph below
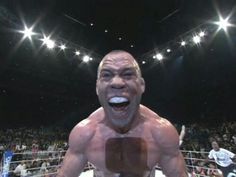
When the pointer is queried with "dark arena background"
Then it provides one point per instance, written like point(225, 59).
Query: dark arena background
point(50, 51)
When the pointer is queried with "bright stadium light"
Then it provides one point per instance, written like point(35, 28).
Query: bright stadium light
point(223, 23)
point(48, 42)
point(45, 40)
point(168, 50)
point(159, 56)
point(27, 32)
point(183, 43)
point(86, 58)
point(196, 39)
point(143, 62)
point(202, 34)
point(77, 53)
point(62, 46)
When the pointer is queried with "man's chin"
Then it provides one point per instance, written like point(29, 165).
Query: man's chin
point(120, 120)
point(120, 113)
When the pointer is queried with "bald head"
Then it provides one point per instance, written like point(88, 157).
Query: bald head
point(118, 56)
point(119, 77)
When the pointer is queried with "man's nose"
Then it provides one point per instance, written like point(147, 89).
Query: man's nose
point(117, 82)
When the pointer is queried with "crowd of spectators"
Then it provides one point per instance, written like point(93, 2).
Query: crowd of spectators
point(198, 138)
point(42, 149)
point(38, 150)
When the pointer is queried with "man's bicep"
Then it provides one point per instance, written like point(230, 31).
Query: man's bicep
point(73, 164)
point(173, 165)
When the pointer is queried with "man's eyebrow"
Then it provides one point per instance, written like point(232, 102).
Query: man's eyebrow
point(129, 69)
point(105, 70)
point(133, 69)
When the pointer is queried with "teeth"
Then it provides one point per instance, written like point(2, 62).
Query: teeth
point(118, 100)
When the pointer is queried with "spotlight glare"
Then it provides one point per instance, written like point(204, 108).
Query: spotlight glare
point(106, 31)
point(48, 42)
point(45, 40)
point(159, 56)
point(86, 58)
point(91, 59)
point(77, 53)
point(168, 50)
point(120, 38)
point(62, 47)
point(223, 24)
point(143, 62)
point(196, 39)
point(183, 43)
point(28, 32)
point(202, 33)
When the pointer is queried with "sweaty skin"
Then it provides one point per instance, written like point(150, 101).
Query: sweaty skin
point(126, 140)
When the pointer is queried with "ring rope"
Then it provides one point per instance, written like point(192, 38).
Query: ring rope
point(90, 166)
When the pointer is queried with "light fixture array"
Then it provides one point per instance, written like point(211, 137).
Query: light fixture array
point(81, 52)
point(191, 38)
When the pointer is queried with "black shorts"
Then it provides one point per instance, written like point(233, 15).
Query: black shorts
point(228, 169)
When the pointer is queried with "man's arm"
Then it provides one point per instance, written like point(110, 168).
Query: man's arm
point(73, 164)
point(173, 164)
point(210, 157)
point(171, 159)
point(75, 158)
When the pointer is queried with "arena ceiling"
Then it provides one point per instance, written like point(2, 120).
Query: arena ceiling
point(54, 86)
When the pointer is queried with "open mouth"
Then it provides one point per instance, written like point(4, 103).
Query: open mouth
point(118, 103)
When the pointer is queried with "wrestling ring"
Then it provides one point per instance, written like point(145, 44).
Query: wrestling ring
point(47, 164)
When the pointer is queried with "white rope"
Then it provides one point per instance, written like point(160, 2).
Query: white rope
point(197, 152)
point(33, 160)
point(203, 160)
point(206, 168)
point(43, 174)
point(38, 168)
point(90, 166)
point(39, 152)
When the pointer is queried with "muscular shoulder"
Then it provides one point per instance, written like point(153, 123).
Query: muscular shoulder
point(84, 131)
point(163, 132)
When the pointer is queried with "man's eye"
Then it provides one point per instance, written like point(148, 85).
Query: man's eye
point(106, 75)
point(128, 74)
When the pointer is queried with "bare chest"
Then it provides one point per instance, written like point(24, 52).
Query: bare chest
point(133, 153)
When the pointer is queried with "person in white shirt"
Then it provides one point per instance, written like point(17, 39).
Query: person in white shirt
point(18, 170)
point(223, 158)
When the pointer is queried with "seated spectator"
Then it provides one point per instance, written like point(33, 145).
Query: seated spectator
point(213, 171)
point(20, 169)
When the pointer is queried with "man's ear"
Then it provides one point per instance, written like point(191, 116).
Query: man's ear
point(142, 84)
